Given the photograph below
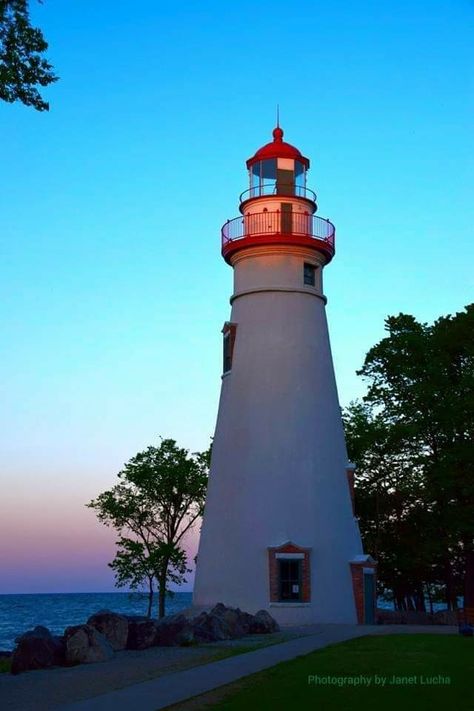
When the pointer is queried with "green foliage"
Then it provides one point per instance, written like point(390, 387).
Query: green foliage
point(412, 441)
point(22, 66)
point(159, 497)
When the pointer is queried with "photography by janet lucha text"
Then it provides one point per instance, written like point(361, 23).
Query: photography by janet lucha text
point(379, 680)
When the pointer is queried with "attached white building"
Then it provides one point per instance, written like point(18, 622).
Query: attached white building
point(279, 531)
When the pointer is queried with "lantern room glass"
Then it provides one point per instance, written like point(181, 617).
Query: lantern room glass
point(267, 178)
point(263, 175)
point(300, 176)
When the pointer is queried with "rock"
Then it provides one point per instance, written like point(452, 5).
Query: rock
point(263, 623)
point(208, 627)
point(85, 645)
point(235, 623)
point(173, 631)
point(113, 626)
point(37, 649)
point(142, 633)
point(222, 622)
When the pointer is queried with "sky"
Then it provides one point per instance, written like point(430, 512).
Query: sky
point(112, 288)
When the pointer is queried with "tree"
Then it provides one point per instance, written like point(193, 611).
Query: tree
point(412, 440)
point(394, 524)
point(22, 66)
point(160, 496)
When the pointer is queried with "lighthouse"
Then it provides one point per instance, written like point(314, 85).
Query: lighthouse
point(279, 531)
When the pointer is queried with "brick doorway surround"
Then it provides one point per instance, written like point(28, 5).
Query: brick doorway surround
point(359, 565)
point(289, 550)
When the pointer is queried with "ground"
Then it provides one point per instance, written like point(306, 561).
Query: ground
point(48, 688)
point(421, 672)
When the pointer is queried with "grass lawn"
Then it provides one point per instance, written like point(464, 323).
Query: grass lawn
point(410, 664)
point(5, 665)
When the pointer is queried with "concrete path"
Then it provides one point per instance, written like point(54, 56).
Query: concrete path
point(179, 686)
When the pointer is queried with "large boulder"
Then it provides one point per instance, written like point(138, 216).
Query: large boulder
point(173, 631)
point(85, 645)
point(37, 649)
point(263, 623)
point(142, 633)
point(113, 626)
point(209, 627)
point(234, 622)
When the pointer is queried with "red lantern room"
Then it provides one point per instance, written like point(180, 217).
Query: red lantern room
point(277, 168)
point(278, 207)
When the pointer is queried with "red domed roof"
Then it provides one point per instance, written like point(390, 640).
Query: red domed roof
point(277, 149)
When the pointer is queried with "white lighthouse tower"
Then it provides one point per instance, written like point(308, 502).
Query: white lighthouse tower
point(279, 531)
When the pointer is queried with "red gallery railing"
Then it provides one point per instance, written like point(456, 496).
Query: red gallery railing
point(290, 224)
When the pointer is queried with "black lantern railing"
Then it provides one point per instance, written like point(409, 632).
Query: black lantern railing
point(278, 188)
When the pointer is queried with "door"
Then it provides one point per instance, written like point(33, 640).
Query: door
point(369, 598)
point(286, 218)
point(285, 183)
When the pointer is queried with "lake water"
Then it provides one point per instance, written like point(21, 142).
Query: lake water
point(56, 611)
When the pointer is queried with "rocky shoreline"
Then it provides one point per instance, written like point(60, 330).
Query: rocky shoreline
point(107, 632)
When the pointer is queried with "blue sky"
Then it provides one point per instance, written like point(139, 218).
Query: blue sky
point(113, 291)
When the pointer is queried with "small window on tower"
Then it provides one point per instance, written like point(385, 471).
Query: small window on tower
point(228, 345)
point(290, 575)
point(309, 274)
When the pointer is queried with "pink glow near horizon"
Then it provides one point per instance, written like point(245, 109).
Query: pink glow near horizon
point(61, 550)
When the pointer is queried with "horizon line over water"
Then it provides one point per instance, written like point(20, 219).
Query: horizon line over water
point(95, 592)
point(20, 612)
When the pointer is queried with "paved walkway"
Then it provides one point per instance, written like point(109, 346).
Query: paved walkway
point(179, 686)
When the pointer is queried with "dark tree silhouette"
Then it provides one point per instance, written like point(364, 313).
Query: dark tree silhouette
point(413, 442)
point(22, 66)
point(159, 497)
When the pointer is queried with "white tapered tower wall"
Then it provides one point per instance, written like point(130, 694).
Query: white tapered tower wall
point(278, 470)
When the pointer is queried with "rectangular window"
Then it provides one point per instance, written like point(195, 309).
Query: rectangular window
point(309, 273)
point(228, 345)
point(290, 579)
point(227, 365)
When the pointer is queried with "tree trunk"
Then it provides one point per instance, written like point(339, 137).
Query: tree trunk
point(162, 591)
point(161, 599)
point(399, 598)
point(150, 596)
point(420, 598)
point(430, 598)
point(451, 602)
point(469, 580)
